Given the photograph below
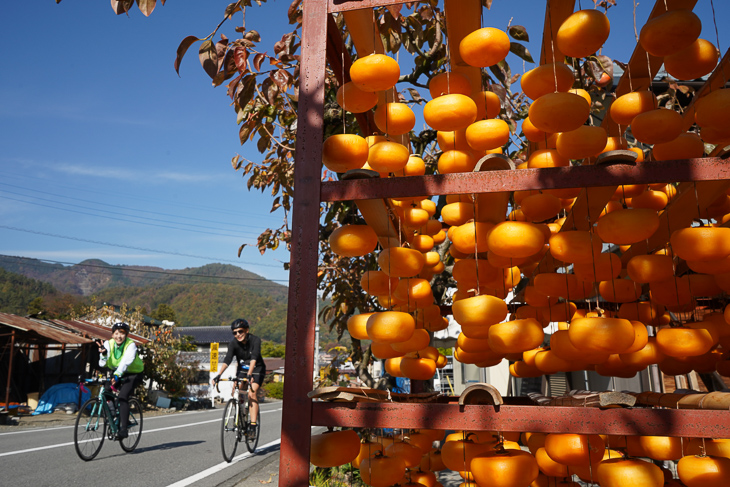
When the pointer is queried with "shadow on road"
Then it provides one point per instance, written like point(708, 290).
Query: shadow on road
point(168, 446)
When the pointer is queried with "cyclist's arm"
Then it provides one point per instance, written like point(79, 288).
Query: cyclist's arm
point(255, 352)
point(129, 354)
point(226, 361)
point(103, 356)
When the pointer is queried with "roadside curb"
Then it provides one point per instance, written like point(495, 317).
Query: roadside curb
point(245, 479)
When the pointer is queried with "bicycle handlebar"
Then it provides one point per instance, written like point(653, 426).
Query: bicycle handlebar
point(235, 379)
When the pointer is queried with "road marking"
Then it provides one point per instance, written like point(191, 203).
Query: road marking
point(38, 430)
point(221, 466)
point(144, 431)
point(224, 465)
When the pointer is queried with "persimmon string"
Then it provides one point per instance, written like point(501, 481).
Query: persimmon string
point(717, 36)
point(476, 253)
point(590, 232)
point(344, 102)
point(674, 265)
point(552, 45)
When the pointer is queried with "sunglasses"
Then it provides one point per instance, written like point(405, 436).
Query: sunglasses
point(238, 332)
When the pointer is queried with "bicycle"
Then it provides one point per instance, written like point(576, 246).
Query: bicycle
point(98, 419)
point(236, 421)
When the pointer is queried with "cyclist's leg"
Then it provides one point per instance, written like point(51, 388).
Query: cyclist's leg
point(129, 383)
point(256, 380)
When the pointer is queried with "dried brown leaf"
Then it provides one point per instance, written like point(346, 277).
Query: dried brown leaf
point(146, 6)
point(258, 60)
point(208, 58)
point(519, 33)
point(121, 6)
point(240, 56)
point(182, 49)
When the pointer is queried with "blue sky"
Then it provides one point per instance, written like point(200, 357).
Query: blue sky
point(108, 154)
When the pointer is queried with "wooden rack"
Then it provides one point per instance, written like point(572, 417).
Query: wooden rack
point(710, 175)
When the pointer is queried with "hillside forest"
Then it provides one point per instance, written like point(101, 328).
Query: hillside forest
point(211, 295)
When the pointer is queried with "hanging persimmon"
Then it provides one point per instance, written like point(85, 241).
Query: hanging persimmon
point(394, 118)
point(504, 468)
point(334, 448)
point(450, 112)
point(376, 72)
point(626, 107)
point(353, 240)
point(583, 33)
point(355, 100)
point(547, 78)
point(343, 152)
point(484, 47)
point(620, 472)
point(447, 83)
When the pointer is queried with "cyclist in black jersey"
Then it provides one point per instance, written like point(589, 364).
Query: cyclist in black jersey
point(246, 348)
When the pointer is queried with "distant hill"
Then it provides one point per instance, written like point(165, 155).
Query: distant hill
point(17, 292)
point(214, 294)
point(210, 295)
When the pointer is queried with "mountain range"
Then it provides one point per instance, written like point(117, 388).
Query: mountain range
point(213, 294)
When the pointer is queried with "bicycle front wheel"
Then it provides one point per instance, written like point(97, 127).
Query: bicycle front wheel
point(134, 427)
point(230, 430)
point(90, 429)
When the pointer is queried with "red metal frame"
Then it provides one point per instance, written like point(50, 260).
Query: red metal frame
point(536, 419)
point(300, 413)
point(704, 169)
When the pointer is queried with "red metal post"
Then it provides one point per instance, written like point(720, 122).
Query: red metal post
point(301, 313)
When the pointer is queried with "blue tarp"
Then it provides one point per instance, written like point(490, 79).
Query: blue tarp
point(59, 394)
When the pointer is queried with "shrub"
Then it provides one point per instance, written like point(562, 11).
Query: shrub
point(275, 390)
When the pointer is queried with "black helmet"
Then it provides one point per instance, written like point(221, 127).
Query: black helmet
point(239, 323)
point(120, 326)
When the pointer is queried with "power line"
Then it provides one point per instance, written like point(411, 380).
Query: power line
point(137, 197)
point(210, 259)
point(156, 225)
point(143, 271)
point(124, 207)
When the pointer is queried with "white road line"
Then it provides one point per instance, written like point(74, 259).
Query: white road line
point(224, 465)
point(220, 466)
point(38, 430)
point(144, 431)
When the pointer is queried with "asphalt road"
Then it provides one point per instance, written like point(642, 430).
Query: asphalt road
point(175, 450)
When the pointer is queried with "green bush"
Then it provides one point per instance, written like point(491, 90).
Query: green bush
point(275, 390)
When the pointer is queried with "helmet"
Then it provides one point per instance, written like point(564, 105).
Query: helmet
point(239, 323)
point(120, 326)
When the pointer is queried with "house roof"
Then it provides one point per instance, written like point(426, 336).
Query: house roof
point(95, 330)
point(39, 331)
point(204, 334)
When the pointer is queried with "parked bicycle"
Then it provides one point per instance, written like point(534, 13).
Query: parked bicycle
point(236, 421)
point(98, 419)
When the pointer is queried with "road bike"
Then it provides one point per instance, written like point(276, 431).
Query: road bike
point(98, 419)
point(236, 421)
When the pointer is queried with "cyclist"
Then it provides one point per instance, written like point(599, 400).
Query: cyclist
point(247, 350)
point(120, 355)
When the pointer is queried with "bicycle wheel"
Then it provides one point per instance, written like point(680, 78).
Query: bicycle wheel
point(134, 427)
point(230, 431)
point(90, 429)
point(252, 440)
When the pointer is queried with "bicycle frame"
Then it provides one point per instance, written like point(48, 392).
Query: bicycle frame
point(236, 393)
point(106, 393)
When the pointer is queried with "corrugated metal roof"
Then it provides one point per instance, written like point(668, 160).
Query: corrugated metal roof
point(47, 330)
point(95, 330)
